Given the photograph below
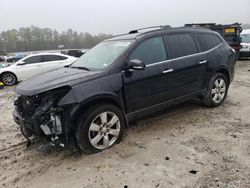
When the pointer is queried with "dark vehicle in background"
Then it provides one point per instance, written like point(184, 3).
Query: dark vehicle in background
point(75, 52)
point(230, 33)
point(15, 58)
point(91, 102)
point(12, 59)
point(2, 59)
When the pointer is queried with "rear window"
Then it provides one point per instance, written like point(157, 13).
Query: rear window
point(181, 45)
point(207, 41)
point(47, 58)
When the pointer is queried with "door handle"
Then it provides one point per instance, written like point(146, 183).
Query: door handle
point(167, 71)
point(203, 62)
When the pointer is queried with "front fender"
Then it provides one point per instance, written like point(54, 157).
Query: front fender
point(109, 86)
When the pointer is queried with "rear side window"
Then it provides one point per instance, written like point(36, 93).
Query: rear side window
point(34, 59)
point(150, 51)
point(181, 45)
point(207, 41)
point(47, 58)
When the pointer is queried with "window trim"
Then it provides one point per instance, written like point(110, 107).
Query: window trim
point(170, 60)
point(178, 58)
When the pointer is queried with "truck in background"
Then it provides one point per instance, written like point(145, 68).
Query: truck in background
point(230, 32)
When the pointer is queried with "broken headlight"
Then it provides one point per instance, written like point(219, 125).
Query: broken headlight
point(49, 114)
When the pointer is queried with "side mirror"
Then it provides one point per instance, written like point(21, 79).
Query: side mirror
point(21, 63)
point(135, 64)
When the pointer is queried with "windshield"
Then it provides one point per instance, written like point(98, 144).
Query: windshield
point(245, 38)
point(102, 55)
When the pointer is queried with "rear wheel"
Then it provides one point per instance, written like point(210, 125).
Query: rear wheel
point(100, 128)
point(217, 90)
point(9, 78)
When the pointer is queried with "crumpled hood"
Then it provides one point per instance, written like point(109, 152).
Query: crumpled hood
point(53, 79)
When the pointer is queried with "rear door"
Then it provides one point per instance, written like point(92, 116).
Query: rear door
point(189, 69)
point(51, 62)
point(208, 45)
point(144, 88)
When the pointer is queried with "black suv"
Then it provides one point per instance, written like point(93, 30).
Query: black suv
point(91, 102)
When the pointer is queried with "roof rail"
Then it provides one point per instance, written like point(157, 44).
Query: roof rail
point(199, 24)
point(136, 31)
point(160, 26)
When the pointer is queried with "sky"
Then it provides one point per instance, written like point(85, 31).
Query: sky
point(118, 16)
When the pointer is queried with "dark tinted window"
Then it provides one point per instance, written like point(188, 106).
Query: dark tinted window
point(47, 58)
point(34, 59)
point(150, 51)
point(207, 41)
point(75, 53)
point(181, 45)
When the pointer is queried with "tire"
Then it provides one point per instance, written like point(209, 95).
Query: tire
point(217, 90)
point(96, 132)
point(9, 79)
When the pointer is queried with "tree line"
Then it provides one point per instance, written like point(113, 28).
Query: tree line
point(34, 38)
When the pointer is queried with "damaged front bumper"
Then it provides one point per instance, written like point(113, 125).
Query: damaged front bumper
point(39, 117)
point(26, 127)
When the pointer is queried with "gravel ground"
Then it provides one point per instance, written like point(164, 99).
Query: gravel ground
point(187, 145)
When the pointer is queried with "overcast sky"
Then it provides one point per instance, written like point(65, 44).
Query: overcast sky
point(118, 16)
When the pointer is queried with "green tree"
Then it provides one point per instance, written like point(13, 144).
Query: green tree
point(34, 38)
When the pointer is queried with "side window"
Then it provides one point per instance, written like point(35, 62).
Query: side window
point(150, 51)
point(181, 45)
point(61, 57)
point(34, 59)
point(207, 41)
point(47, 58)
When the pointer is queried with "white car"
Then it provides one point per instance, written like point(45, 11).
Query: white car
point(32, 65)
point(245, 43)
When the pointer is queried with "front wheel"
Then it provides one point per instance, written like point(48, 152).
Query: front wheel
point(100, 128)
point(217, 90)
point(9, 78)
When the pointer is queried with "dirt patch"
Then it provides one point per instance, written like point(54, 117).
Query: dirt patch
point(187, 145)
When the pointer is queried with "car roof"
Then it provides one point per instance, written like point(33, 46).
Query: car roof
point(135, 34)
point(47, 53)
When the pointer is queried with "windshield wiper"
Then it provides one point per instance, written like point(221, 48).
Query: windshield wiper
point(83, 68)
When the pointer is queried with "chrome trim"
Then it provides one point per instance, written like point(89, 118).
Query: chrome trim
point(203, 62)
point(156, 63)
point(167, 71)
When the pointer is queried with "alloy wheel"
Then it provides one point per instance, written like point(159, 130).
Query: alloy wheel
point(219, 90)
point(9, 79)
point(104, 130)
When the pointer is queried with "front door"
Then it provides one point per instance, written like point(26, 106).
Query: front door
point(29, 67)
point(152, 86)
